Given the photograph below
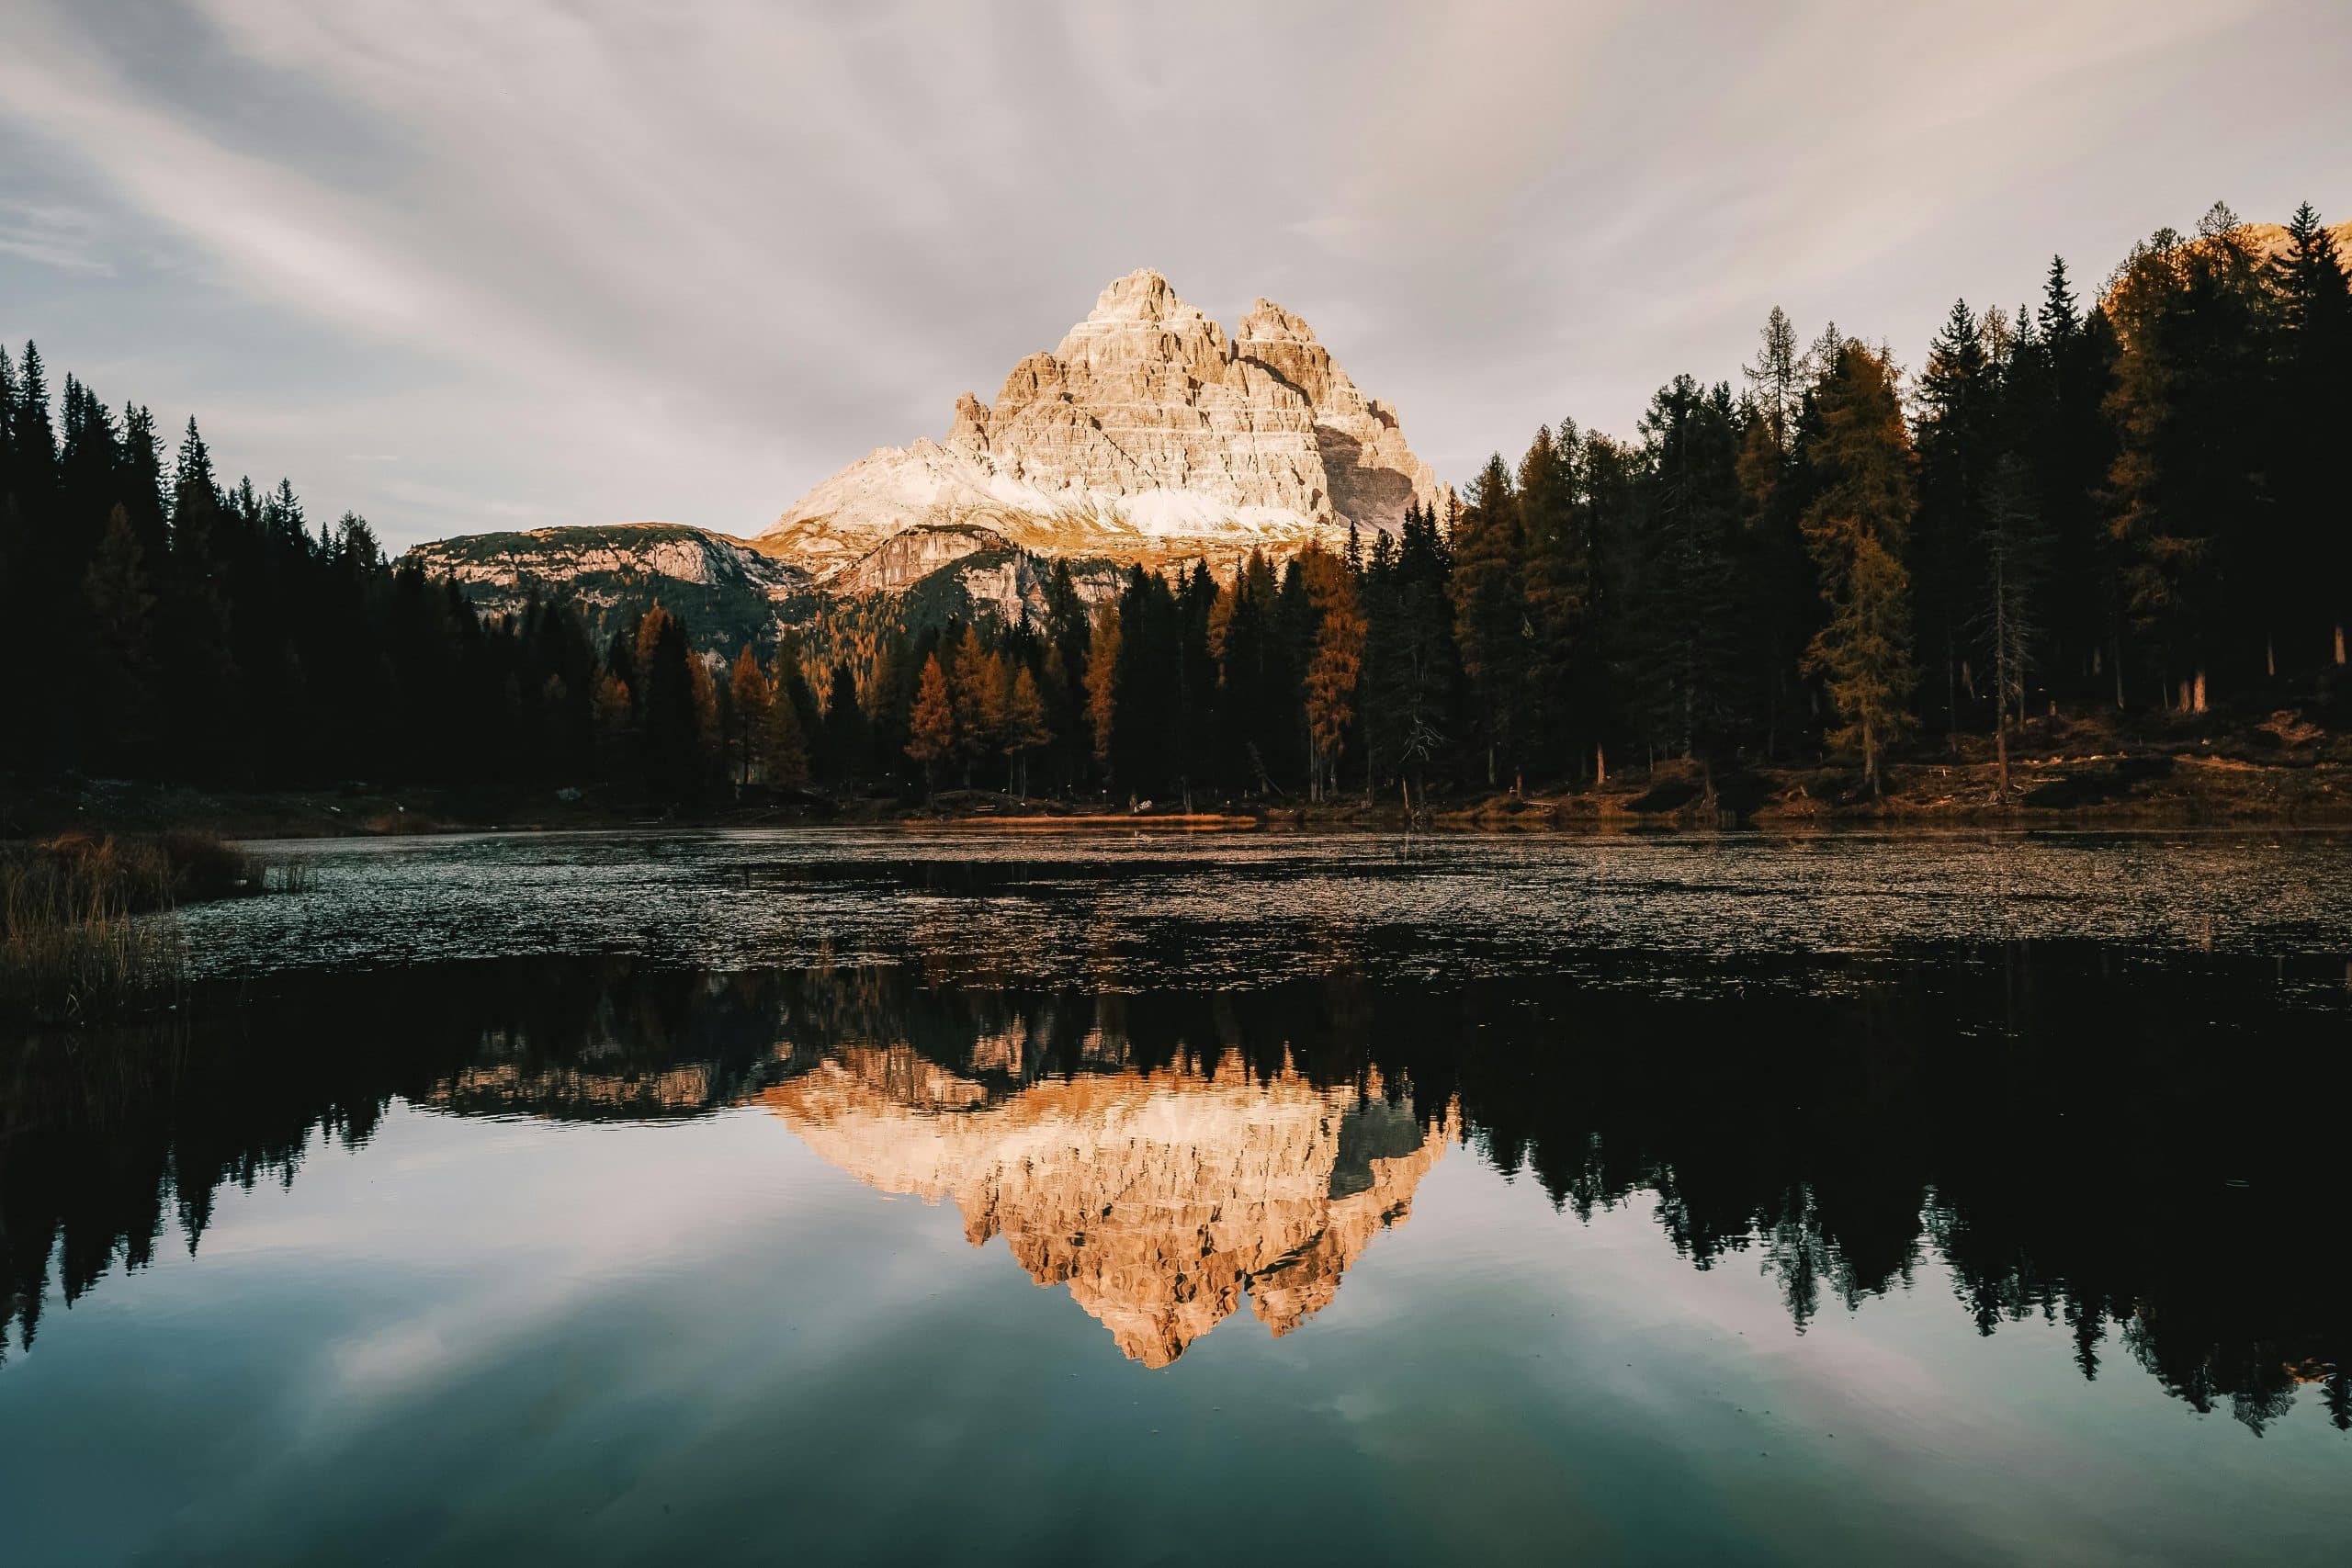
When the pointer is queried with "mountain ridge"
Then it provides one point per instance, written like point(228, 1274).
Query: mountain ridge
point(1148, 436)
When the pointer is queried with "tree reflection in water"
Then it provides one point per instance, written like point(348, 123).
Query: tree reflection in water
point(2128, 1146)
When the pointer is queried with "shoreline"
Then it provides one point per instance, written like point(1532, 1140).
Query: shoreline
point(2183, 790)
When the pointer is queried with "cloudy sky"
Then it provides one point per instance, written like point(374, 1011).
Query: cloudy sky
point(465, 266)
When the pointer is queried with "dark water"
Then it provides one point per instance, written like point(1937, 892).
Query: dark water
point(907, 1198)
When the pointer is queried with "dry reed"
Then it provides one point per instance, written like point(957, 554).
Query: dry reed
point(87, 925)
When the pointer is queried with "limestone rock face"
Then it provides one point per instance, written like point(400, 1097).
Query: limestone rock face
point(730, 592)
point(1147, 435)
point(1158, 1198)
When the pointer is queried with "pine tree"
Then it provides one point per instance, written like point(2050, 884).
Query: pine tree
point(749, 695)
point(1775, 574)
point(1558, 587)
point(203, 702)
point(1857, 526)
point(1335, 668)
point(1412, 666)
point(1101, 681)
point(2013, 554)
point(930, 727)
point(1775, 382)
point(668, 721)
point(121, 603)
point(615, 711)
point(1682, 633)
point(1196, 606)
point(710, 724)
point(1147, 688)
point(783, 740)
point(846, 745)
point(1026, 725)
point(2312, 571)
point(976, 681)
point(1490, 614)
point(1255, 689)
point(1957, 438)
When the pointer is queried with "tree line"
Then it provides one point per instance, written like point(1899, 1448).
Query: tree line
point(2126, 504)
point(1970, 1114)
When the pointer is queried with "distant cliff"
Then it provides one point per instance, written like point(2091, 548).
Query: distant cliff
point(1146, 438)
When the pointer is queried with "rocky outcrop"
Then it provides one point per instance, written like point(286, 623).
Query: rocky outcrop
point(1158, 1198)
point(1148, 435)
point(730, 592)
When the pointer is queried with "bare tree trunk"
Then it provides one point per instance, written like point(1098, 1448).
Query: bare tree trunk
point(2200, 690)
point(1600, 766)
point(2001, 750)
point(2339, 646)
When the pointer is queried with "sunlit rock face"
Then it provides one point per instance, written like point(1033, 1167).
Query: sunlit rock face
point(1148, 435)
point(1158, 1198)
point(730, 592)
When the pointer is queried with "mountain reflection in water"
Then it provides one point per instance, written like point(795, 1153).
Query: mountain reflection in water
point(2127, 1148)
point(1158, 1198)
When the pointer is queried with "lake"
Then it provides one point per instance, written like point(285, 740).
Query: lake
point(903, 1196)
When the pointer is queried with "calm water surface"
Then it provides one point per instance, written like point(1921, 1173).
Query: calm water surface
point(905, 1197)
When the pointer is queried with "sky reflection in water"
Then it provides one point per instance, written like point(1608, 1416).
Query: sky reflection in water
point(1943, 1247)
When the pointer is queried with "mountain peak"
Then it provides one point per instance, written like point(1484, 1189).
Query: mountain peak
point(1147, 435)
point(1144, 292)
point(1267, 319)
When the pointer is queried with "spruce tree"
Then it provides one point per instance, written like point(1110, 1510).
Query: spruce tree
point(1681, 618)
point(120, 603)
point(2013, 552)
point(2188, 481)
point(1490, 614)
point(1412, 667)
point(1858, 527)
point(1558, 589)
point(1956, 441)
point(1026, 727)
point(2313, 371)
point(846, 736)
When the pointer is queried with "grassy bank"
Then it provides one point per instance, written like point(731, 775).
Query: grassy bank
point(86, 927)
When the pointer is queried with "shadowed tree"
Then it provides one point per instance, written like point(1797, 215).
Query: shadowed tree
point(748, 696)
point(1491, 613)
point(1026, 727)
point(2013, 552)
point(1857, 527)
point(845, 736)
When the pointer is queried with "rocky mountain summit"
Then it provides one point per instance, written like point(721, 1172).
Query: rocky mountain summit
point(1148, 436)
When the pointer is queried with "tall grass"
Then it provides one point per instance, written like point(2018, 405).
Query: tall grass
point(87, 924)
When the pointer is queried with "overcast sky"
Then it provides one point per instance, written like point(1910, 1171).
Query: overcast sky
point(465, 266)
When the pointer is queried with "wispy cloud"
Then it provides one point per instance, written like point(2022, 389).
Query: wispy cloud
point(684, 263)
point(65, 238)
